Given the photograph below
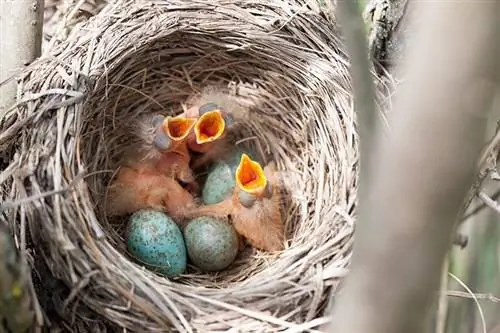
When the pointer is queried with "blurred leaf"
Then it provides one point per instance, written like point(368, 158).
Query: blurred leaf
point(15, 301)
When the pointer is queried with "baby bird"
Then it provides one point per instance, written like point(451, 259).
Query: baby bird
point(171, 140)
point(162, 142)
point(253, 207)
point(156, 158)
point(143, 186)
point(212, 125)
point(218, 114)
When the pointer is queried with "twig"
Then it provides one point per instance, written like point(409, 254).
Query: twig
point(442, 312)
point(489, 297)
point(488, 201)
point(74, 181)
point(473, 296)
point(64, 22)
point(480, 207)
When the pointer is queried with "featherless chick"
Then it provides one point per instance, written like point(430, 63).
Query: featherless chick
point(218, 114)
point(254, 208)
point(153, 168)
point(142, 186)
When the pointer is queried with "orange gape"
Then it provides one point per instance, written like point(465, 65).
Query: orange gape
point(250, 176)
point(209, 127)
point(178, 129)
point(218, 113)
point(254, 206)
point(143, 186)
point(174, 162)
point(209, 130)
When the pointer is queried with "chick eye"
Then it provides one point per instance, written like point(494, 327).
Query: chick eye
point(161, 140)
point(228, 118)
point(157, 120)
point(246, 199)
point(207, 108)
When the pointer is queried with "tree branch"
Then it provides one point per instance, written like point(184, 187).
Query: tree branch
point(422, 173)
point(353, 28)
point(21, 37)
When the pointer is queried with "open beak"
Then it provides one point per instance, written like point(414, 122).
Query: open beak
point(209, 127)
point(178, 128)
point(250, 176)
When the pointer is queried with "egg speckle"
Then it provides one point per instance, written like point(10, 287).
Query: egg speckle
point(155, 241)
point(220, 181)
point(212, 245)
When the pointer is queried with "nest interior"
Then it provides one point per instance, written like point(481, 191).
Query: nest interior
point(283, 60)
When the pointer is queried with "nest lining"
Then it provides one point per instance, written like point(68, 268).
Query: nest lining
point(283, 61)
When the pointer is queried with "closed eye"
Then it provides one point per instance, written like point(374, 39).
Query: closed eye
point(157, 120)
point(246, 199)
point(161, 140)
point(207, 108)
point(228, 118)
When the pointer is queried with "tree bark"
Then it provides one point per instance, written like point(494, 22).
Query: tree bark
point(421, 174)
point(21, 23)
point(389, 30)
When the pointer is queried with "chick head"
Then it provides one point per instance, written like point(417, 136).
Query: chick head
point(251, 181)
point(212, 123)
point(171, 130)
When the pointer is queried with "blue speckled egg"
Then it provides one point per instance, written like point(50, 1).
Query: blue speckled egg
point(155, 241)
point(221, 178)
point(212, 244)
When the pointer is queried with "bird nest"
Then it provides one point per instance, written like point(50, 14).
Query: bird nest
point(283, 61)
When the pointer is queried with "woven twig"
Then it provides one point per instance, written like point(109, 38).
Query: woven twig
point(284, 60)
point(60, 16)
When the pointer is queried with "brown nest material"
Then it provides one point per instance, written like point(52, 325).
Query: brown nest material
point(60, 16)
point(283, 60)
